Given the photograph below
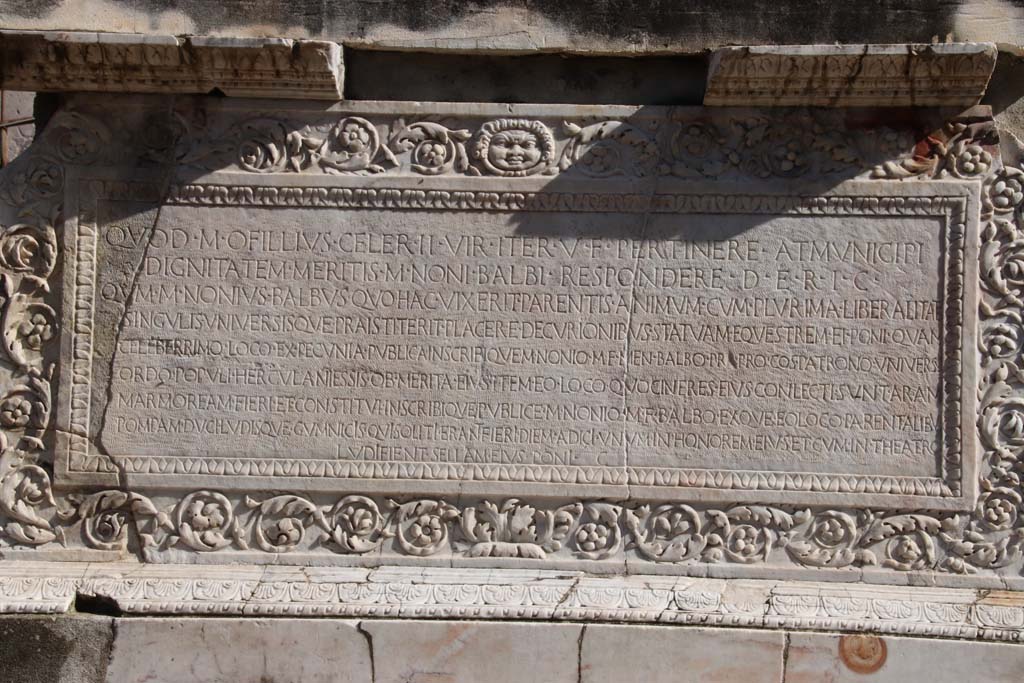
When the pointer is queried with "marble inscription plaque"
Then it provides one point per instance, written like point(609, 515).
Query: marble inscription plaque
point(750, 346)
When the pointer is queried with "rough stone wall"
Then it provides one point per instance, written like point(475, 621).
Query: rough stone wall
point(18, 124)
point(602, 26)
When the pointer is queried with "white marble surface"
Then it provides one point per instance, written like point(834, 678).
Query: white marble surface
point(89, 649)
point(241, 651)
point(614, 654)
point(472, 652)
point(816, 658)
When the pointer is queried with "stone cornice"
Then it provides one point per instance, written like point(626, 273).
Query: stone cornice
point(135, 63)
point(850, 75)
point(457, 593)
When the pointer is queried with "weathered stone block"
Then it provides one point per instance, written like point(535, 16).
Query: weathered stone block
point(63, 649)
point(467, 652)
point(679, 655)
point(850, 75)
point(241, 651)
point(115, 62)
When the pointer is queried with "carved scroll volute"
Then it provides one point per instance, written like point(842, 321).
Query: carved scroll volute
point(32, 190)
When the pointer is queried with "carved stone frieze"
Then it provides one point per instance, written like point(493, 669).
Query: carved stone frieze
point(953, 75)
point(742, 145)
point(189, 158)
point(531, 594)
point(127, 63)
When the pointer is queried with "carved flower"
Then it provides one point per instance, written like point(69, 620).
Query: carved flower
point(205, 521)
point(431, 153)
point(1002, 256)
point(436, 149)
point(907, 550)
point(788, 158)
point(358, 520)
point(36, 330)
point(999, 508)
point(968, 159)
point(1002, 340)
point(777, 150)
point(354, 136)
point(20, 249)
point(696, 140)
point(591, 537)
point(15, 412)
point(285, 532)
point(108, 525)
point(262, 146)
point(832, 529)
point(746, 541)
point(1006, 192)
point(46, 178)
point(600, 159)
point(204, 516)
point(352, 145)
point(1002, 422)
point(260, 154)
point(427, 530)
point(1011, 427)
point(356, 525)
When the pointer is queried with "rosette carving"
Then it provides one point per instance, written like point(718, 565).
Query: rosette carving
point(421, 526)
point(1004, 191)
point(205, 521)
point(746, 534)
point(598, 534)
point(280, 523)
point(958, 150)
point(908, 540)
point(700, 149)
point(355, 525)
point(830, 539)
point(433, 148)
point(78, 139)
point(353, 145)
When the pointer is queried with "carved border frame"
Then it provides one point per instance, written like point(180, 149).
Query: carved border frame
point(670, 538)
point(949, 202)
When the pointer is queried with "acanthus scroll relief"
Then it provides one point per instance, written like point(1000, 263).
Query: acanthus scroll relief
point(354, 524)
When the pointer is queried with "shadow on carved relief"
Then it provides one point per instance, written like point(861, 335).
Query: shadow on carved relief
point(145, 171)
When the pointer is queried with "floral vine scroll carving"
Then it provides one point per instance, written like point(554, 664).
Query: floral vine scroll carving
point(356, 525)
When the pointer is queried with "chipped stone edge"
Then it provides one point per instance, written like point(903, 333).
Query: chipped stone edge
point(137, 63)
point(954, 74)
point(138, 589)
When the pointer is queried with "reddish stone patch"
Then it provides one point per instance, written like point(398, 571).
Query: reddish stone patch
point(863, 654)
